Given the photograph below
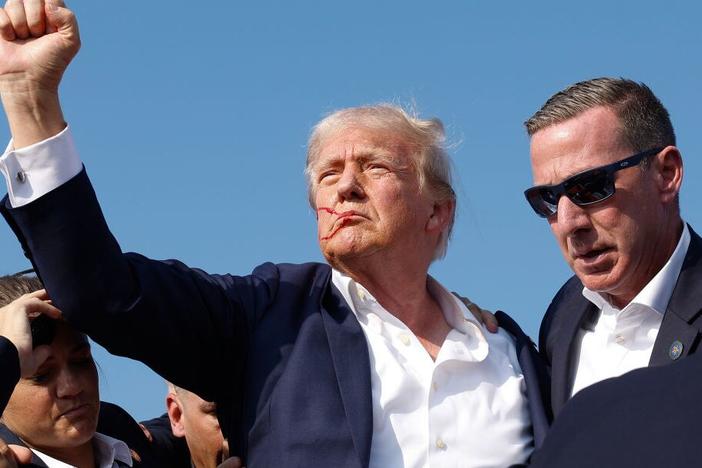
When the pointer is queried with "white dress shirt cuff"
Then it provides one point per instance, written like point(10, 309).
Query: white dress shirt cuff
point(36, 170)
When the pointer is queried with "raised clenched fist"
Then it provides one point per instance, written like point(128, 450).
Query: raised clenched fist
point(38, 39)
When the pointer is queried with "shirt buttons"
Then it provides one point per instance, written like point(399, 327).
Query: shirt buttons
point(362, 294)
point(619, 339)
point(20, 176)
point(405, 339)
point(440, 444)
point(434, 386)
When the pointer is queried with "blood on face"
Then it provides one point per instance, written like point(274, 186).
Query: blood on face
point(342, 220)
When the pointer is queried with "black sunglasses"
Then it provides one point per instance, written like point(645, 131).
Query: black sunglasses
point(588, 187)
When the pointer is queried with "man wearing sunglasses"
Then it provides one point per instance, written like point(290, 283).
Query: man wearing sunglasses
point(607, 175)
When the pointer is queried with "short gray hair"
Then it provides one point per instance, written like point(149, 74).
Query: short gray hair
point(645, 121)
point(430, 159)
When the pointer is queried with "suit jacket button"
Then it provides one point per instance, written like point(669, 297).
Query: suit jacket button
point(675, 350)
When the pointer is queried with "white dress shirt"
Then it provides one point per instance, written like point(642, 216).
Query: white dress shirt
point(107, 450)
point(466, 409)
point(622, 340)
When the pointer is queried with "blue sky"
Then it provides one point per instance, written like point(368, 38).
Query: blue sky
point(192, 122)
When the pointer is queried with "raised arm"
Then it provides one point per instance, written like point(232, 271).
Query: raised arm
point(162, 314)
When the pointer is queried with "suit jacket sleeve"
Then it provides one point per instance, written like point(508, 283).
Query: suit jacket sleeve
point(188, 326)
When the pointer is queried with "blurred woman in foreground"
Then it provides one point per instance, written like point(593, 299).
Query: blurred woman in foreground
point(49, 395)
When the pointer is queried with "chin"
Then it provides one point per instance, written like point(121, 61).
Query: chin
point(80, 432)
point(605, 282)
point(345, 248)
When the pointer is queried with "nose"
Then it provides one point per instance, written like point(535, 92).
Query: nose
point(68, 384)
point(570, 217)
point(349, 187)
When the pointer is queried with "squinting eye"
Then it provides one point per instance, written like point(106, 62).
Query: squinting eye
point(325, 175)
point(377, 168)
point(40, 378)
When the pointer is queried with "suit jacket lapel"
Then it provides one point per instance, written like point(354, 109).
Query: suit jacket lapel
point(565, 349)
point(535, 378)
point(677, 328)
point(352, 366)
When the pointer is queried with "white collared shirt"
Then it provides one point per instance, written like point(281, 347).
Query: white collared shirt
point(108, 451)
point(622, 340)
point(466, 409)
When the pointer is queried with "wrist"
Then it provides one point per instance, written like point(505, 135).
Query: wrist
point(34, 114)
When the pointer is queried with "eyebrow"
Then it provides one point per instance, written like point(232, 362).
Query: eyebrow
point(572, 174)
point(374, 153)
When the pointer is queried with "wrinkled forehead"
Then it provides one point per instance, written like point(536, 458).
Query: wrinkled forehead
point(589, 140)
point(361, 142)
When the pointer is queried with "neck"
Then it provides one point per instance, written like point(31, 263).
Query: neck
point(401, 288)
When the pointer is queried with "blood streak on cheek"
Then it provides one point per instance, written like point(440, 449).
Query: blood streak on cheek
point(340, 216)
point(338, 228)
point(329, 210)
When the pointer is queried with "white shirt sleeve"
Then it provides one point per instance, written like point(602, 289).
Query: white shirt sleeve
point(36, 170)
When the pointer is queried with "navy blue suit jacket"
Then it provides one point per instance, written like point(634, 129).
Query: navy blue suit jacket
point(648, 418)
point(279, 350)
point(570, 312)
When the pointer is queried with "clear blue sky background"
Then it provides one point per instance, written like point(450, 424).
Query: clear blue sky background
point(192, 121)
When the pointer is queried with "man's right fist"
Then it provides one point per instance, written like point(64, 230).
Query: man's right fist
point(38, 39)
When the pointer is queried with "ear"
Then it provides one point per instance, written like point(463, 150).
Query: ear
point(441, 216)
point(668, 173)
point(175, 414)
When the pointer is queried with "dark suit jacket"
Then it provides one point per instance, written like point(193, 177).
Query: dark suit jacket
point(279, 350)
point(648, 418)
point(569, 312)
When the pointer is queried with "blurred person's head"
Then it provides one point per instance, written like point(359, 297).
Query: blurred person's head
point(55, 410)
point(607, 175)
point(196, 420)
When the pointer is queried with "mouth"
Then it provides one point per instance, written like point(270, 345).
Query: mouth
point(77, 412)
point(339, 214)
point(343, 218)
point(592, 255)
